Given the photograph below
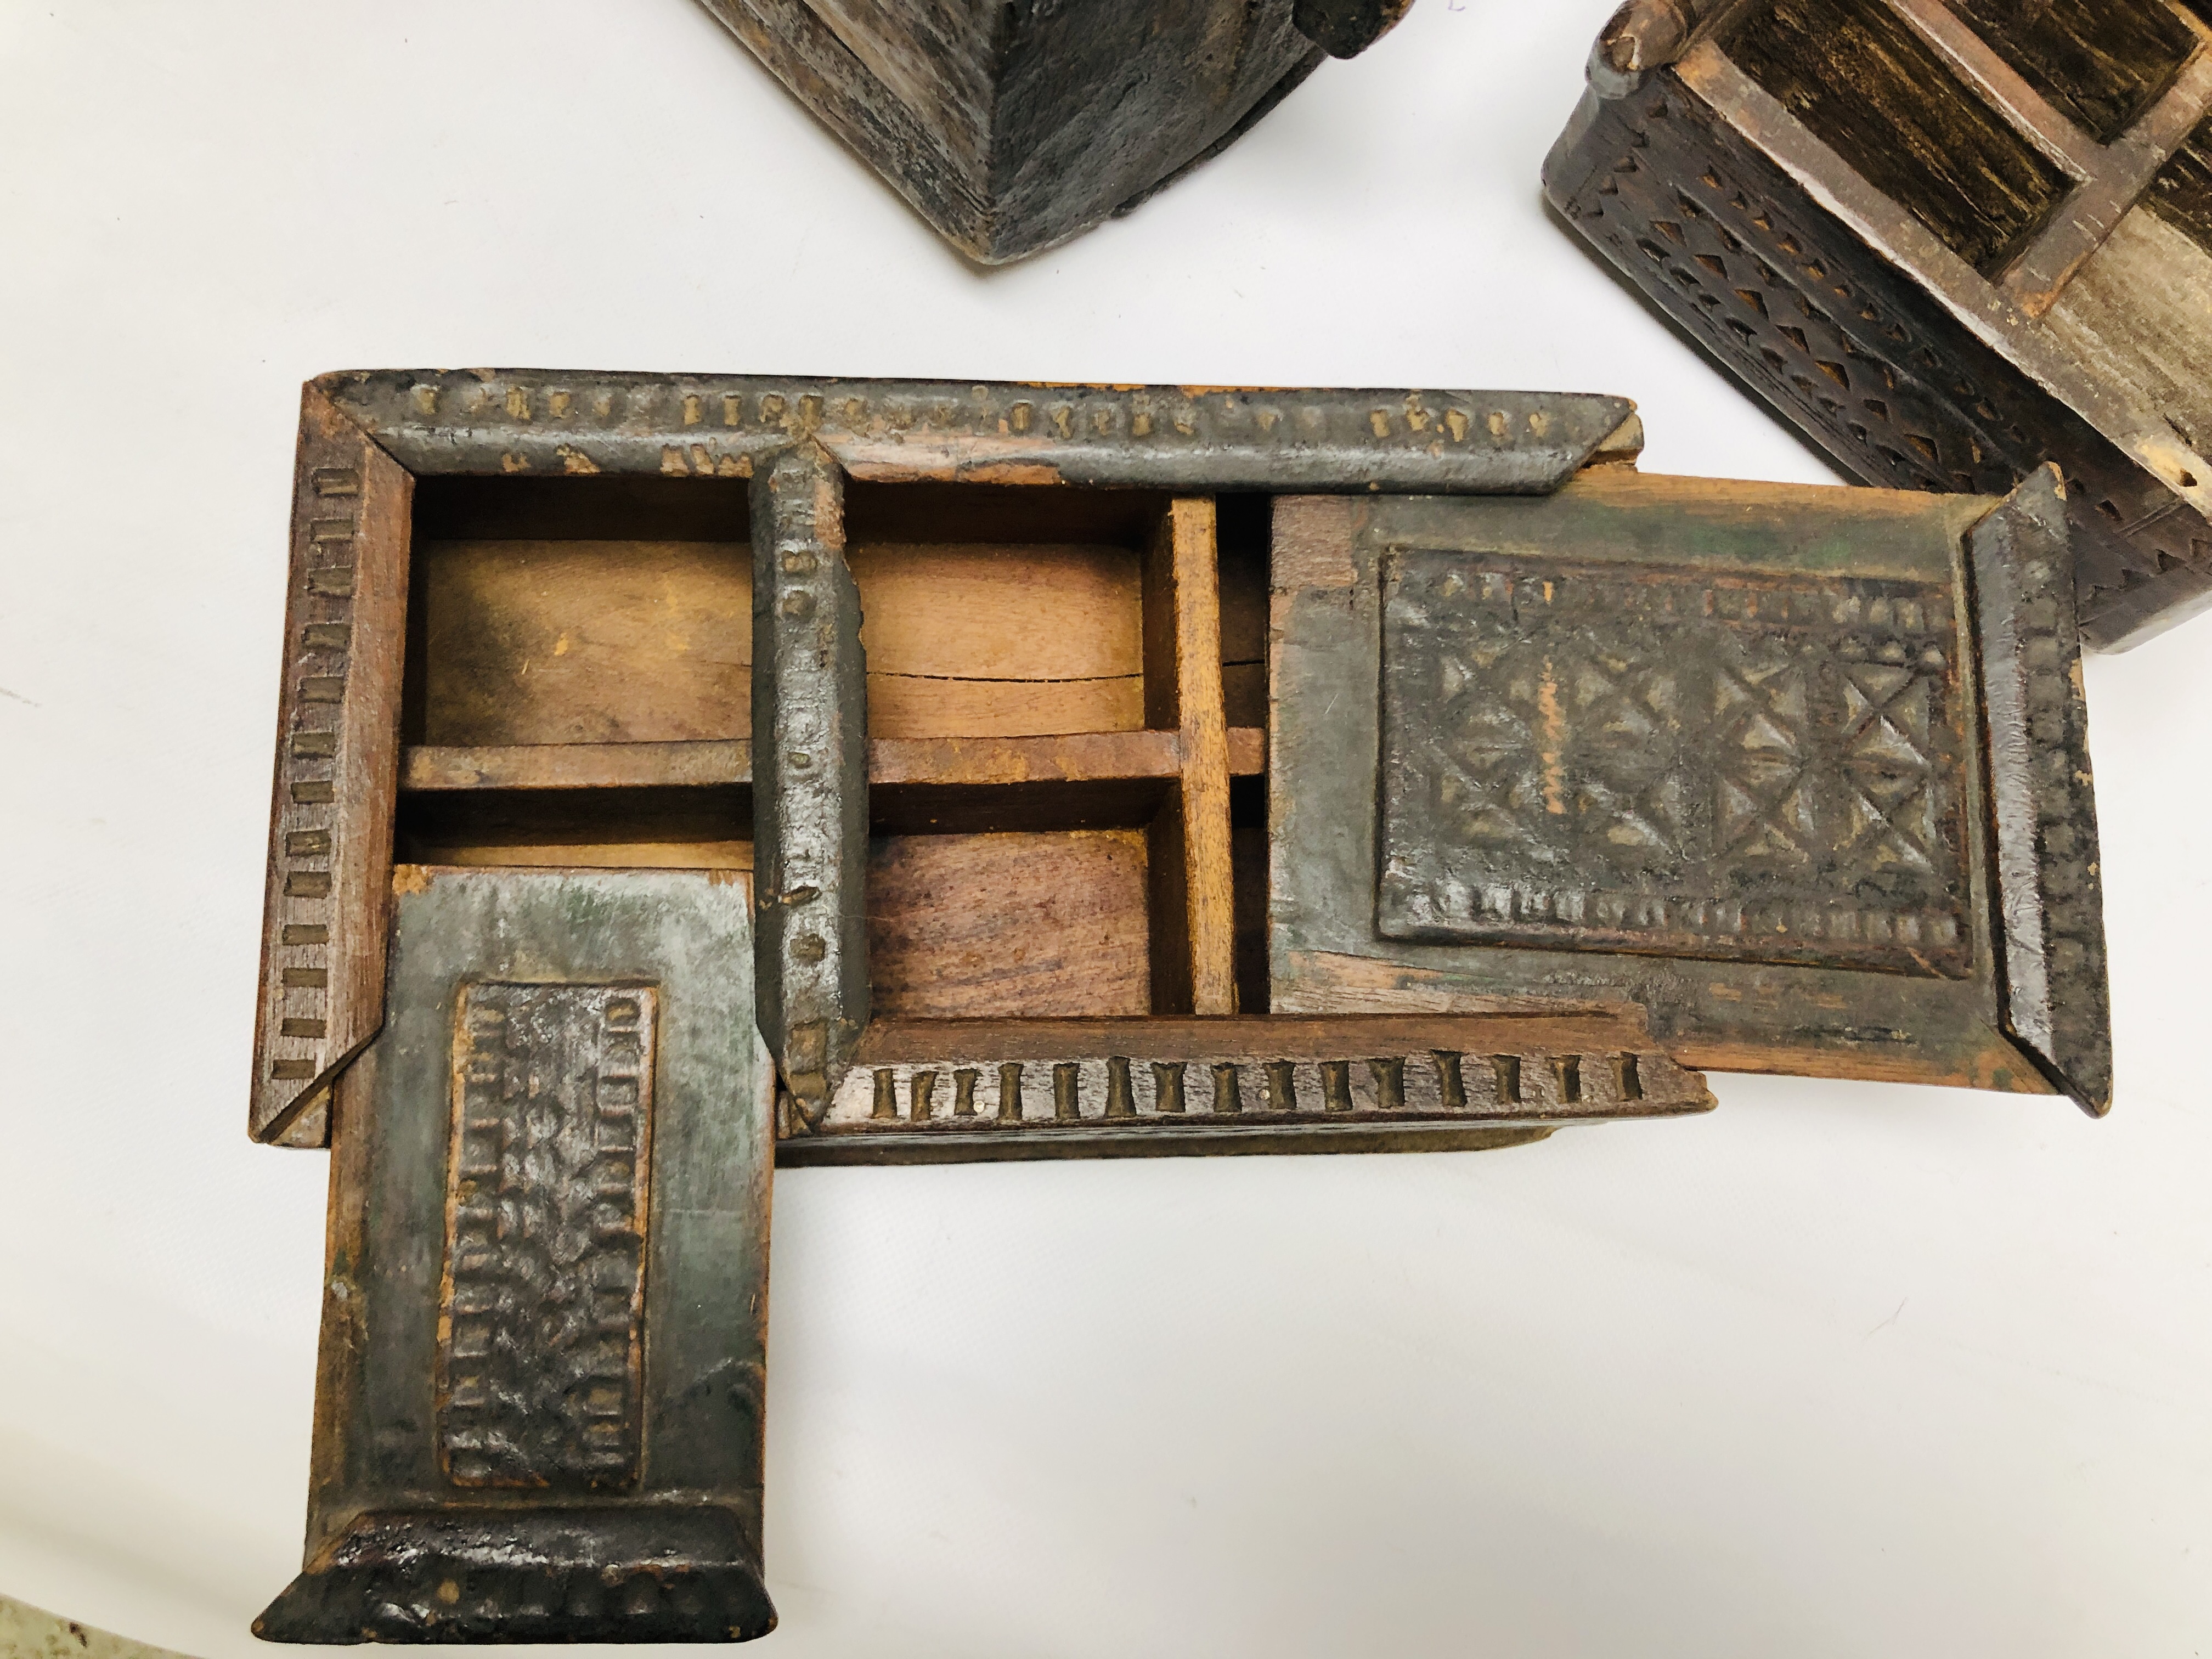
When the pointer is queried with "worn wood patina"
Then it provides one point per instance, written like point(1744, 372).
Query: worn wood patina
point(1010, 128)
point(539, 1411)
point(1766, 760)
point(824, 772)
point(1948, 239)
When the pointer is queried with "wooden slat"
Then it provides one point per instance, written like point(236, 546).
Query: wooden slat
point(1563, 1025)
point(576, 765)
point(329, 887)
point(985, 640)
point(1208, 883)
point(1079, 757)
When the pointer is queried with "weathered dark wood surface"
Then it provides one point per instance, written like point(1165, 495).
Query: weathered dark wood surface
point(538, 1412)
point(810, 748)
point(2043, 808)
point(1010, 129)
point(1714, 748)
point(541, 425)
point(1696, 761)
point(1948, 240)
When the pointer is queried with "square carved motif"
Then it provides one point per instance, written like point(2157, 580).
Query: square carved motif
point(1743, 767)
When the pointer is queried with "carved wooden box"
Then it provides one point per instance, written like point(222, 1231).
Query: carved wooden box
point(681, 775)
point(1013, 127)
point(1948, 239)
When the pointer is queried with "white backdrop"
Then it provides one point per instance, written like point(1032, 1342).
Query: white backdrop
point(1840, 1369)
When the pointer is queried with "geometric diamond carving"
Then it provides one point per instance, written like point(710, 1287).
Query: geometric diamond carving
point(1746, 767)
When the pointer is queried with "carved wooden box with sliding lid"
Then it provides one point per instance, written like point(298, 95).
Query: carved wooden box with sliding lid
point(1949, 239)
point(679, 776)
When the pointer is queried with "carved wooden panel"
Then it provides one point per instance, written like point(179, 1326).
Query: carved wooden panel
point(1722, 749)
point(538, 1414)
point(1697, 763)
point(542, 1313)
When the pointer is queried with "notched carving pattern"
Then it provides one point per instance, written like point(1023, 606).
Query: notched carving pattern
point(532, 420)
point(982, 1095)
point(541, 1319)
point(1755, 768)
point(1838, 340)
point(297, 1019)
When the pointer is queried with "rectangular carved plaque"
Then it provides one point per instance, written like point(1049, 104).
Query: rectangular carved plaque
point(542, 1310)
point(1733, 765)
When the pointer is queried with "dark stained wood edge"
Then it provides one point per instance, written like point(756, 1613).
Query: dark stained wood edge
point(1016, 1146)
point(2058, 1001)
point(342, 1348)
point(1344, 28)
point(327, 902)
point(810, 788)
point(1971, 1056)
point(1193, 439)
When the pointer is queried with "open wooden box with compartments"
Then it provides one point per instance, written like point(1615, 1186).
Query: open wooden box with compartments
point(1950, 240)
point(682, 777)
point(1066, 715)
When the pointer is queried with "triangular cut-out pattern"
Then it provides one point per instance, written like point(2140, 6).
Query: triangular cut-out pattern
point(1759, 767)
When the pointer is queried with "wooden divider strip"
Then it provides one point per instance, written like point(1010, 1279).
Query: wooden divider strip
point(1208, 883)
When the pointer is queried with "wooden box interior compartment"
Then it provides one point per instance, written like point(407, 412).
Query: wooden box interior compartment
point(578, 685)
point(1063, 687)
point(578, 693)
point(1949, 239)
point(972, 682)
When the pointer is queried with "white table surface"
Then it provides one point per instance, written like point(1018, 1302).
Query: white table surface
point(1840, 1369)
